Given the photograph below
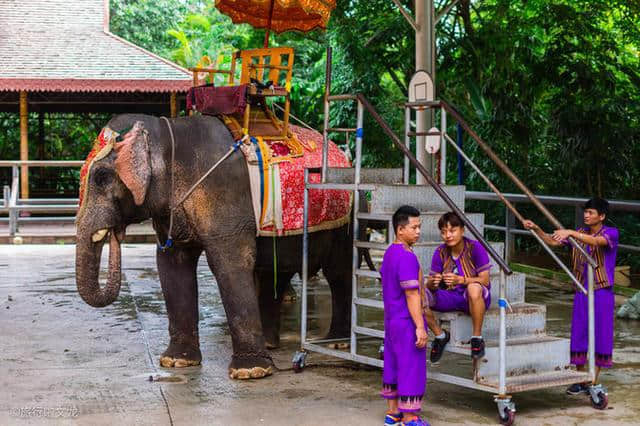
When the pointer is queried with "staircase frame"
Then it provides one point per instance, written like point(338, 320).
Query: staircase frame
point(502, 398)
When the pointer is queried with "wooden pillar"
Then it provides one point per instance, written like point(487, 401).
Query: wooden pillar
point(174, 105)
point(24, 145)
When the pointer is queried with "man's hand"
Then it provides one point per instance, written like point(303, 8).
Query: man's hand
point(452, 279)
point(561, 235)
point(530, 225)
point(433, 281)
point(421, 337)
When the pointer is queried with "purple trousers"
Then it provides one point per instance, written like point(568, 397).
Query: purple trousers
point(404, 375)
point(455, 299)
point(604, 299)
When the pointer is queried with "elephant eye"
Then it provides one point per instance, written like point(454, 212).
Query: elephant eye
point(101, 177)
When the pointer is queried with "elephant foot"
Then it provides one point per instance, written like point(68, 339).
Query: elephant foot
point(338, 333)
point(180, 356)
point(254, 365)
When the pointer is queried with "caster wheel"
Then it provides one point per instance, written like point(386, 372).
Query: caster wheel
point(298, 361)
point(602, 402)
point(508, 417)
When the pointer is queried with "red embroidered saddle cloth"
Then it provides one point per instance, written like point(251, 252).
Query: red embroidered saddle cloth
point(328, 209)
point(276, 174)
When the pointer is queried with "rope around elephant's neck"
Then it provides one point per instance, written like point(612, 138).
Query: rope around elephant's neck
point(172, 206)
point(169, 242)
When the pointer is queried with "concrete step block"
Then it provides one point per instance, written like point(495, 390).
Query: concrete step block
point(524, 321)
point(430, 231)
point(368, 175)
point(527, 356)
point(387, 198)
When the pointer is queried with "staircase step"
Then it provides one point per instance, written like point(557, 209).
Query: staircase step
point(524, 356)
point(387, 198)
point(524, 321)
point(367, 175)
point(529, 382)
point(430, 231)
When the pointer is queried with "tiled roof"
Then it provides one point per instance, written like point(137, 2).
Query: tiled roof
point(62, 45)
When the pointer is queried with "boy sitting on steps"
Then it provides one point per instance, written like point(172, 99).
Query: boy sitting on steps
point(458, 281)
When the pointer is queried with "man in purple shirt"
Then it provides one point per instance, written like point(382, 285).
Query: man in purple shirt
point(404, 374)
point(458, 281)
point(601, 242)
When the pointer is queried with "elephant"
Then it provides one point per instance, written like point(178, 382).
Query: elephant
point(133, 183)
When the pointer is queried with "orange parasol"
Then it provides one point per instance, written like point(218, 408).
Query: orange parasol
point(279, 15)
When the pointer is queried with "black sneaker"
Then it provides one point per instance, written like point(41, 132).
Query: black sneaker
point(577, 389)
point(437, 346)
point(477, 348)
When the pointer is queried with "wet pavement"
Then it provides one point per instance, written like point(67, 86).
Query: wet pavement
point(68, 363)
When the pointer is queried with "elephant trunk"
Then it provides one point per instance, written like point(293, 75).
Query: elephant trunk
point(88, 255)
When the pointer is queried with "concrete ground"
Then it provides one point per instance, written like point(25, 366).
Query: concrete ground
point(68, 363)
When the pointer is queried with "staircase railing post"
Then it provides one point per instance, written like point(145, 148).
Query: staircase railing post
point(592, 324)
point(459, 134)
point(305, 260)
point(325, 130)
point(578, 217)
point(443, 146)
point(407, 143)
point(509, 237)
point(356, 225)
point(502, 302)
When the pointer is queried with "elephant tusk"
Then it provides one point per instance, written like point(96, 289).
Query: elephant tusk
point(99, 235)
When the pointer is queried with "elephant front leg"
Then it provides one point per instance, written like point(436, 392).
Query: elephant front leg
point(233, 268)
point(177, 269)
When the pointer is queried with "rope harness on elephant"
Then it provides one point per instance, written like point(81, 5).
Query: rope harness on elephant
point(172, 207)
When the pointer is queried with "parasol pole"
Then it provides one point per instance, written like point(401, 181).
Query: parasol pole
point(266, 35)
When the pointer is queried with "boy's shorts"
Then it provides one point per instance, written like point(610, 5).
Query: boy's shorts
point(456, 299)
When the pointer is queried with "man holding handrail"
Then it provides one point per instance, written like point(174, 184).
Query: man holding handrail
point(601, 242)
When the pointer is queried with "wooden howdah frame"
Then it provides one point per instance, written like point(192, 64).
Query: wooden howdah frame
point(254, 63)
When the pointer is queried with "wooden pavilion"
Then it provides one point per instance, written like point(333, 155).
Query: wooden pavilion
point(59, 56)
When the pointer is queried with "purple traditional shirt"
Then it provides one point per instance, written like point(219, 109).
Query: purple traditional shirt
point(478, 256)
point(400, 271)
point(609, 253)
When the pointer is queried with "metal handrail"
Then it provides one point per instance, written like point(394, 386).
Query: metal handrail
point(13, 204)
point(510, 206)
point(626, 205)
point(443, 195)
point(618, 205)
point(506, 170)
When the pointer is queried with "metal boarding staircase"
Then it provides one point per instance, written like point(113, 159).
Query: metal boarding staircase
point(520, 355)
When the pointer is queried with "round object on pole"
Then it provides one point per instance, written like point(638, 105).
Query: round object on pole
point(432, 144)
point(421, 87)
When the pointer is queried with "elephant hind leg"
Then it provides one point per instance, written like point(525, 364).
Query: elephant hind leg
point(270, 304)
point(177, 269)
point(337, 271)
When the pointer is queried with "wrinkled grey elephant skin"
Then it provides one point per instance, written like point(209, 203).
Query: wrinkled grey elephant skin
point(133, 183)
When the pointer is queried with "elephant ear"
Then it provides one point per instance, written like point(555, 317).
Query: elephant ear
point(133, 163)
